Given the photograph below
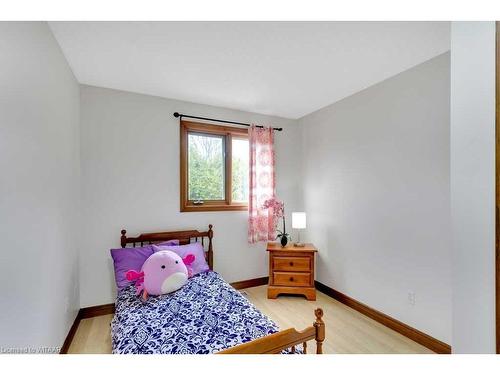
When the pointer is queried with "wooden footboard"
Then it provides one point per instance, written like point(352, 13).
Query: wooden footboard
point(287, 339)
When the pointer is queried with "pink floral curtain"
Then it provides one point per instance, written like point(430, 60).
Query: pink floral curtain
point(261, 226)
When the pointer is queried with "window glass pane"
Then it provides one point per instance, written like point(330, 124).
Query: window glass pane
point(240, 170)
point(205, 167)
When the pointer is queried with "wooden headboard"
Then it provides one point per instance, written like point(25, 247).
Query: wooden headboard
point(184, 237)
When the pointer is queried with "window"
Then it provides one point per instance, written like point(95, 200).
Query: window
point(214, 167)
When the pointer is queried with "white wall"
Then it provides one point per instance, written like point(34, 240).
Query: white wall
point(39, 188)
point(376, 190)
point(376, 183)
point(473, 185)
point(130, 179)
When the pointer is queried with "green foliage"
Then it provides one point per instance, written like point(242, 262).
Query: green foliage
point(240, 180)
point(206, 168)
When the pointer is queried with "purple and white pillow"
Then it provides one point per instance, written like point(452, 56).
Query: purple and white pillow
point(132, 258)
point(199, 265)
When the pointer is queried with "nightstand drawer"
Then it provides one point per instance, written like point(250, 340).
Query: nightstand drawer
point(297, 264)
point(291, 279)
point(291, 270)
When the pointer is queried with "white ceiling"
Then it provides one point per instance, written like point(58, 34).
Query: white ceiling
point(286, 69)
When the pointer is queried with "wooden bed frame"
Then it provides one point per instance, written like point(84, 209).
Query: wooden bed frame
point(184, 237)
point(271, 344)
point(287, 339)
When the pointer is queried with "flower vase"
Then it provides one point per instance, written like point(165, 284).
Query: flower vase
point(284, 240)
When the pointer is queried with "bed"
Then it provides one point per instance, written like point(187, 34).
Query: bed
point(207, 315)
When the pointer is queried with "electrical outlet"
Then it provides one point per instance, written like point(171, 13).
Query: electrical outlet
point(411, 298)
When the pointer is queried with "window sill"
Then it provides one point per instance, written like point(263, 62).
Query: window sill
point(204, 208)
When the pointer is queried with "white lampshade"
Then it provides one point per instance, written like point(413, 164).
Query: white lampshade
point(298, 220)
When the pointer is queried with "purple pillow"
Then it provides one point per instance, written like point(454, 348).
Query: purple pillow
point(199, 265)
point(168, 243)
point(128, 258)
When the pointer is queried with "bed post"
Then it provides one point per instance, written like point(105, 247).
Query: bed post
point(123, 238)
point(320, 330)
point(210, 252)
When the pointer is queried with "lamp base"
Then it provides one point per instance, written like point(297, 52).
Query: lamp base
point(298, 243)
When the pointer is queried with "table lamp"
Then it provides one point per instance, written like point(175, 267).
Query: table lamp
point(298, 222)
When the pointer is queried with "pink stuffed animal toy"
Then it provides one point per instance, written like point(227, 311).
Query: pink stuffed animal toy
point(163, 272)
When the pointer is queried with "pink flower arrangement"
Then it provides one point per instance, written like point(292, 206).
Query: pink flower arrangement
point(278, 208)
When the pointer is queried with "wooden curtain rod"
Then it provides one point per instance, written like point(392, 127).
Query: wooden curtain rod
point(177, 114)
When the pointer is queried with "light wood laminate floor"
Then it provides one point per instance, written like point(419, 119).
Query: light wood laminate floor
point(347, 331)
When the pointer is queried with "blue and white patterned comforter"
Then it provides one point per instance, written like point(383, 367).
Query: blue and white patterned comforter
point(205, 316)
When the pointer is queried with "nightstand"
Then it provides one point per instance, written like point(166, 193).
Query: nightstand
point(291, 270)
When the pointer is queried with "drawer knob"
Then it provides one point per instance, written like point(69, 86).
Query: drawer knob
point(291, 263)
point(291, 278)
